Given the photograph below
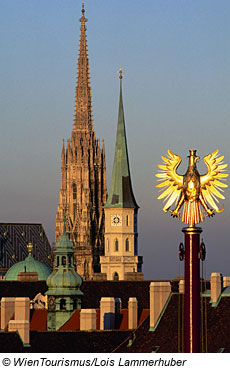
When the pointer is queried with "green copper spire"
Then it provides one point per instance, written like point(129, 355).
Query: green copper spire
point(121, 193)
point(64, 242)
point(64, 294)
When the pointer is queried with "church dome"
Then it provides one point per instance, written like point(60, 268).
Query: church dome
point(28, 265)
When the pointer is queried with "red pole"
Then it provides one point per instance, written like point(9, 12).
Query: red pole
point(192, 289)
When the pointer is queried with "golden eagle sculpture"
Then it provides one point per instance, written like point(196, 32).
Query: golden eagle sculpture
point(198, 193)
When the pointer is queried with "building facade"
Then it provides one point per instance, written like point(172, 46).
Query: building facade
point(121, 260)
point(83, 176)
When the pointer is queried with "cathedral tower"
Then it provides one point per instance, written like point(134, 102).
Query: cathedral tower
point(83, 176)
point(121, 260)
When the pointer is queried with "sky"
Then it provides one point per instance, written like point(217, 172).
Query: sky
point(176, 94)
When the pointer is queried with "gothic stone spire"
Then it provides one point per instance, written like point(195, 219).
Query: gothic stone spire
point(83, 177)
point(83, 107)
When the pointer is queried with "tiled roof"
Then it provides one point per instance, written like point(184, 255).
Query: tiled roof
point(218, 324)
point(38, 320)
point(168, 336)
point(14, 238)
point(10, 342)
point(94, 291)
point(80, 342)
point(165, 335)
point(121, 320)
point(22, 289)
point(73, 323)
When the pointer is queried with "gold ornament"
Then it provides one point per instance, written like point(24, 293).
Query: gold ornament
point(192, 189)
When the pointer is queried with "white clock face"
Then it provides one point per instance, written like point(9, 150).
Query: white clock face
point(116, 220)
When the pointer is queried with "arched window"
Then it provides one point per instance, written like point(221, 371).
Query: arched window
point(116, 244)
point(74, 191)
point(127, 220)
point(127, 244)
point(115, 276)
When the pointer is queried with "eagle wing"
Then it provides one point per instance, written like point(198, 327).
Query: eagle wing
point(212, 182)
point(171, 181)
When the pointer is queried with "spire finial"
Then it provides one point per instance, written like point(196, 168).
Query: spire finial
point(65, 216)
point(83, 19)
point(120, 72)
point(64, 220)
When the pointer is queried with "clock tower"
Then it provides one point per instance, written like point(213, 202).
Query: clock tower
point(121, 260)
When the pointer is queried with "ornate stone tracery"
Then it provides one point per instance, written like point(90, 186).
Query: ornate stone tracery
point(83, 176)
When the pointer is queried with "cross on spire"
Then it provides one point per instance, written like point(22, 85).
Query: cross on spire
point(120, 72)
point(83, 19)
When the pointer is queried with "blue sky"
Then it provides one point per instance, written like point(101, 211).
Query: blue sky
point(176, 92)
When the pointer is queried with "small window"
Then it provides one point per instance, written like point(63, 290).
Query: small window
point(127, 220)
point(116, 245)
point(57, 261)
point(127, 244)
point(74, 191)
point(63, 260)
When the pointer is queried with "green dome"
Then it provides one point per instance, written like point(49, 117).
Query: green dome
point(28, 265)
point(64, 282)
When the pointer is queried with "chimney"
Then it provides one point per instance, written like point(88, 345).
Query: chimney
point(23, 328)
point(216, 286)
point(7, 311)
point(88, 318)
point(226, 281)
point(107, 313)
point(159, 293)
point(21, 322)
point(132, 312)
point(181, 286)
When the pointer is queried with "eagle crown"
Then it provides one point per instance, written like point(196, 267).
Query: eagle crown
point(193, 158)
